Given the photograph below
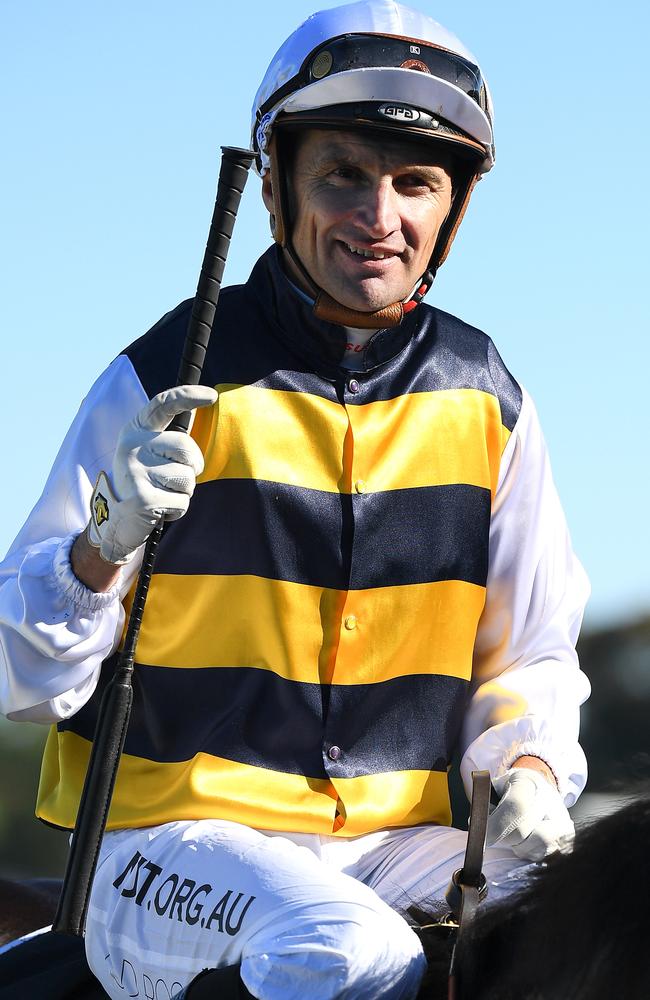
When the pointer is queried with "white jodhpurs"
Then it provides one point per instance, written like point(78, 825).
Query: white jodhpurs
point(307, 916)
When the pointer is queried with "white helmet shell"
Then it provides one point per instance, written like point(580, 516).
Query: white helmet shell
point(410, 86)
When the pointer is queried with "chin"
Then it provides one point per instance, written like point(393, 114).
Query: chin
point(369, 307)
point(368, 301)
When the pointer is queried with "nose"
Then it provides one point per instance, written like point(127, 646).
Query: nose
point(379, 213)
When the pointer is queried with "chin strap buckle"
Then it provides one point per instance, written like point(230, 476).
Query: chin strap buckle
point(420, 292)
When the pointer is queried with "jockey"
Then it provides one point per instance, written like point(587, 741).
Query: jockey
point(374, 572)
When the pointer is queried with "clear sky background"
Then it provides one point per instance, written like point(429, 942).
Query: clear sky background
point(112, 118)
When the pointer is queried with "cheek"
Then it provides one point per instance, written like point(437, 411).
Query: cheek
point(428, 225)
point(312, 227)
point(302, 226)
point(327, 207)
point(307, 233)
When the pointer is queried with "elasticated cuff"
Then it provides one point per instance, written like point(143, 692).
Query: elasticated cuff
point(71, 589)
point(526, 749)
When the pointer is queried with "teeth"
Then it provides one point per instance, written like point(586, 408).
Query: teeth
point(366, 253)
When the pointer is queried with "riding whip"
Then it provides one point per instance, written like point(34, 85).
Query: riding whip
point(115, 706)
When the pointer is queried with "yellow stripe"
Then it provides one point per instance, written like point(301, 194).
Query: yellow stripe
point(149, 793)
point(304, 440)
point(285, 437)
point(426, 628)
point(396, 798)
point(300, 632)
point(458, 440)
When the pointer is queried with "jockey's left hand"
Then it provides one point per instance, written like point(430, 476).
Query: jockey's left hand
point(530, 818)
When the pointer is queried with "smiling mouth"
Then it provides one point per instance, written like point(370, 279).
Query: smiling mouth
point(369, 254)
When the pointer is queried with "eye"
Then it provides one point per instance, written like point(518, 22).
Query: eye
point(413, 181)
point(345, 172)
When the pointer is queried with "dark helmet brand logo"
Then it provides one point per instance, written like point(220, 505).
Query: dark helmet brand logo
point(399, 112)
point(100, 509)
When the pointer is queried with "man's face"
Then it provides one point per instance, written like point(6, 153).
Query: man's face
point(366, 212)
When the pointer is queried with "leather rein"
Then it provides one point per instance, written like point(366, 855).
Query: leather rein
point(468, 886)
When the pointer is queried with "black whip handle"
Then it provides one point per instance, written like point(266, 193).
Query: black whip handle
point(232, 178)
point(115, 707)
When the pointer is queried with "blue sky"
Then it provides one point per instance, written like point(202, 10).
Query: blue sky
point(113, 115)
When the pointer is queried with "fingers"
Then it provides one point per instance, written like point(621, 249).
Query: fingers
point(154, 473)
point(135, 518)
point(150, 449)
point(509, 825)
point(175, 477)
point(161, 410)
point(517, 812)
point(544, 840)
point(531, 818)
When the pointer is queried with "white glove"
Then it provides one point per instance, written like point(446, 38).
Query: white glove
point(531, 817)
point(154, 473)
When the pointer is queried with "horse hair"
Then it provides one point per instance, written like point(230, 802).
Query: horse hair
point(576, 932)
point(25, 906)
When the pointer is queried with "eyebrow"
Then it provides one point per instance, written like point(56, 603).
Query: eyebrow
point(344, 153)
point(338, 154)
point(336, 151)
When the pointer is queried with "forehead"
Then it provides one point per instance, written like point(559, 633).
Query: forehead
point(364, 145)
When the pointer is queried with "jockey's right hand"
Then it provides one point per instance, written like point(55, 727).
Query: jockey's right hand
point(154, 473)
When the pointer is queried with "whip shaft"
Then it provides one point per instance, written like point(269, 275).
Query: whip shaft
point(115, 706)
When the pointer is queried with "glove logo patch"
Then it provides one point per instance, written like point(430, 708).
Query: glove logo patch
point(100, 509)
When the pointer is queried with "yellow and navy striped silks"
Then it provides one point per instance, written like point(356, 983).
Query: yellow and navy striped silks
point(306, 650)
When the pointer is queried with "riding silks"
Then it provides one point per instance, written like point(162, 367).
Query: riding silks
point(306, 651)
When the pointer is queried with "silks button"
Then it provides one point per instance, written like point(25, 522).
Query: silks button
point(334, 753)
point(350, 622)
point(360, 486)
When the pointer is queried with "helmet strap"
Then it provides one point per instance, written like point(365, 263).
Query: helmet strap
point(278, 185)
point(328, 309)
point(454, 219)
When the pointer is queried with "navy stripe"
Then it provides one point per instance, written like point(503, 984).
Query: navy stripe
point(265, 336)
point(242, 351)
point(255, 717)
point(427, 534)
point(507, 389)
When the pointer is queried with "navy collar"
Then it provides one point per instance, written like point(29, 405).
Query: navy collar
point(320, 343)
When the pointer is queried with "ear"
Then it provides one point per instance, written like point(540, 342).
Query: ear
point(267, 192)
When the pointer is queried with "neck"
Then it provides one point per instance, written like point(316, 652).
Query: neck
point(320, 341)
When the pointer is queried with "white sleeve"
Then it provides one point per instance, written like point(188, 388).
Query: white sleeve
point(54, 631)
point(527, 687)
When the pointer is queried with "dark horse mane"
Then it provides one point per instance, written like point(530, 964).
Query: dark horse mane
point(578, 931)
point(25, 906)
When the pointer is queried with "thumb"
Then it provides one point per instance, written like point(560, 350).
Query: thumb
point(161, 410)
